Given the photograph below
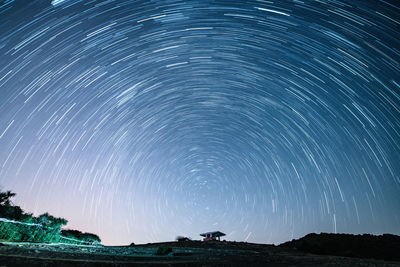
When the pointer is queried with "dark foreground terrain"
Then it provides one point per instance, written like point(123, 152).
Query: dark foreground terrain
point(383, 247)
point(188, 253)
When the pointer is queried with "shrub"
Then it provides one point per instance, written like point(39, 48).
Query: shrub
point(182, 238)
point(163, 250)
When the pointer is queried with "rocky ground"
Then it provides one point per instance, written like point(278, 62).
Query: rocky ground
point(189, 253)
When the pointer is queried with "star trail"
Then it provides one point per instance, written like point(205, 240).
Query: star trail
point(143, 120)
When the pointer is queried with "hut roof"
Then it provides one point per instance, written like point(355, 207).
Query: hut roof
point(214, 234)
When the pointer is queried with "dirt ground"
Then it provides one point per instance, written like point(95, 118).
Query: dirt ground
point(190, 253)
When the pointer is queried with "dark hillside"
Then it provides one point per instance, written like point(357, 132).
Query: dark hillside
point(385, 247)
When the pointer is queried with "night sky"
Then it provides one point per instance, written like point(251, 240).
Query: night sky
point(143, 120)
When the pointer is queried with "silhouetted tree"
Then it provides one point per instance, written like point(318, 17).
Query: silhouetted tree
point(5, 198)
point(7, 210)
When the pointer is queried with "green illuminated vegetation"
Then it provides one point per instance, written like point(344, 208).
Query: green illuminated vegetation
point(17, 225)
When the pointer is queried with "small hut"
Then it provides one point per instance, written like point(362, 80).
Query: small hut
point(212, 236)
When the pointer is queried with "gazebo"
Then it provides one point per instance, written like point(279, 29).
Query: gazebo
point(212, 236)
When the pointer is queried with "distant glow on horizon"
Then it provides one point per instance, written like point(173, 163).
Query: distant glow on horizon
point(140, 121)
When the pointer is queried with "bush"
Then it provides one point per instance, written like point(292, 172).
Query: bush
point(77, 237)
point(163, 250)
point(182, 238)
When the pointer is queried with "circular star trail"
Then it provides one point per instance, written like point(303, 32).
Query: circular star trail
point(144, 120)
